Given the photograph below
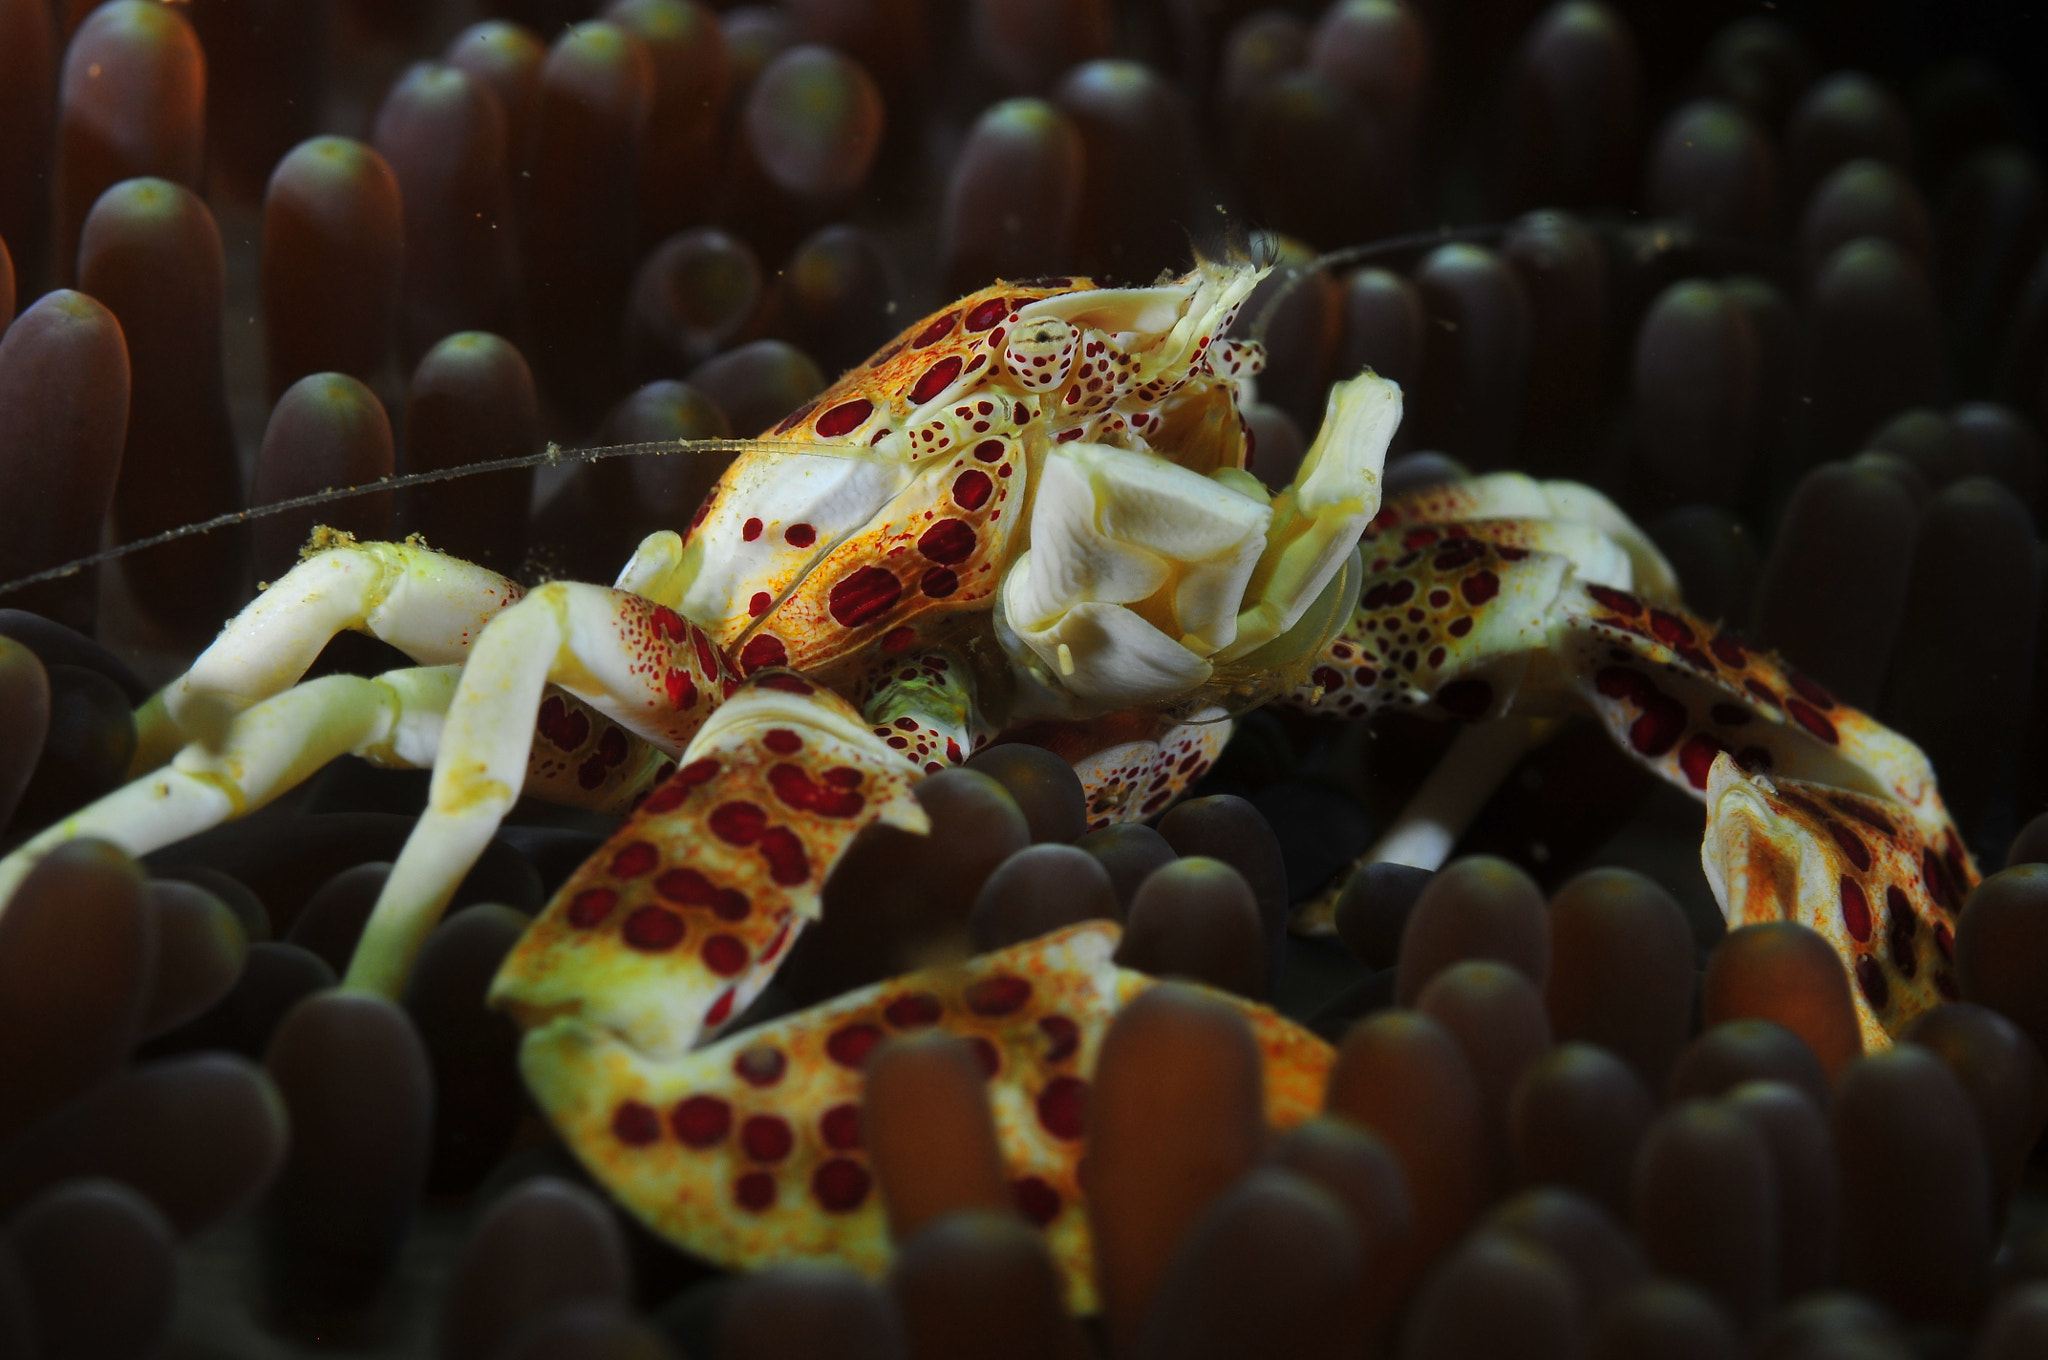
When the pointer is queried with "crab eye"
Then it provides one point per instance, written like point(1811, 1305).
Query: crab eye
point(1040, 352)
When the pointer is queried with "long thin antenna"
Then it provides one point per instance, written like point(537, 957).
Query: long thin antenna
point(553, 454)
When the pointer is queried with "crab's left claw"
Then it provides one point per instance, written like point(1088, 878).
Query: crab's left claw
point(1859, 870)
point(680, 920)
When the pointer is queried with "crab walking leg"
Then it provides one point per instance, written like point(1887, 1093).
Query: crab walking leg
point(427, 604)
point(748, 1152)
point(677, 924)
point(1451, 797)
point(393, 720)
point(639, 663)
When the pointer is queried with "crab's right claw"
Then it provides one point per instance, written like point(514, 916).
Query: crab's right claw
point(685, 914)
point(1318, 518)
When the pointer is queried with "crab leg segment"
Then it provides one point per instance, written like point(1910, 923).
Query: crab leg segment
point(749, 1151)
point(677, 924)
point(393, 720)
point(1851, 867)
point(640, 663)
point(428, 605)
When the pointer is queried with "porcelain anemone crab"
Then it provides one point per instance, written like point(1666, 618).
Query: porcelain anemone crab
point(1028, 517)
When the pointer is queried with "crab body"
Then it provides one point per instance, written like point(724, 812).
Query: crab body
point(1028, 518)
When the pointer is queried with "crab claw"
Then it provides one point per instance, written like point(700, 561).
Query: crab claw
point(680, 921)
point(749, 1151)
point(1858, 870)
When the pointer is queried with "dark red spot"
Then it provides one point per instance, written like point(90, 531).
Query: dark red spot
point(1061, 1105)
point(988, 450)
point(1467, 699)
point(913, 1010)
point(737, 823)
point(1810, 691)
point(796, 788)
point(1812, 721)
point(700, 1121)
point(899, 639)
point(682, 694)
point(1852, 846)
point(787, 862)
point(840, 1127)
point(986, 1055)
point(840, 1185)
point(776, 941)
point(1855, 909)
point(971, 489)
point(1874, 820)
point(1062, 1035)
point(843, 777)
point(563, 727)
point(1670, 629)
point(950, 541)
point(635, 860)
point(936, 379)
point(845, 418)
point(987, 314)
point(755, 1192)
point(788, 684)
point(1944, 940)
point(696, 772)
point(721, 1009)
point(635, 1125)
point(1459, 627)
point(1729, 652)
point(1903, 926)
point(939, 583)
point(998, 995)
point(1763, 692)
point(1659, 727)
point(653, 929)
point(1035, 1199)
point(782, 741)
point(1328, 677)
point(760, 1065)
point(767, 1138)
point(799, 535)
point(751, 530)
point(1870, 981)
point(724, 955)
point(935, 330)
point(1696, 758)
point(762, 650)
point(863, 595)
point(689, 888)
point(850, 1045)
point(591, 906)
point(1620, 601)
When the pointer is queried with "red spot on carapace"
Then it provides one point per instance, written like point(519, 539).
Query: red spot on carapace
point(1062, 1106)
point(971, 489)
point(721, 1009)
point(788, 684)
point(1728, 651)
point(653, 929)
point(763, 650)
point(936, 379)
point(696, 772)
point(849, 1045)
point(913, 1010)
point(864, 595)
point(1062, 1036)
point(988, 450)
point(900, 639)
point(843, 777)
point(760, 1066)
point(1855, 909)
point(1852, 846)
point(840, 1127)
point(563, 727)
point(949, 542)
point(986, 1056)
point(797, 789)
point(1870, 981)
point(782, 741)
point(1620, 601)
point(635, 1124)
point(787, 862)
point(591, 906)
point(799, 535)
point(844, 418)
point(700, 1121)
point(738, 823)
point(767, 1137)
point(1035, 1199)
point(939, 583)
point(987, 314)
point(938, 329)
point(1696, 758)
point(1812, 720)
point(635, 860)
point(841, 1185)
point(758, 604)
point(796, 417)
point(999, 995)
point(755, 1192)
point(1811, 691)
point(751, 530)
point(1670, 629)
point(724, 955)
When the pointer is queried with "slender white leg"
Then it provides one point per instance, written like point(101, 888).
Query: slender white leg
point(393, 720)
point(639, 663)
point(1443, 808)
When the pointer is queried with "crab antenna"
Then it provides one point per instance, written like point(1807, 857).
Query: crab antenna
point(553, 454)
